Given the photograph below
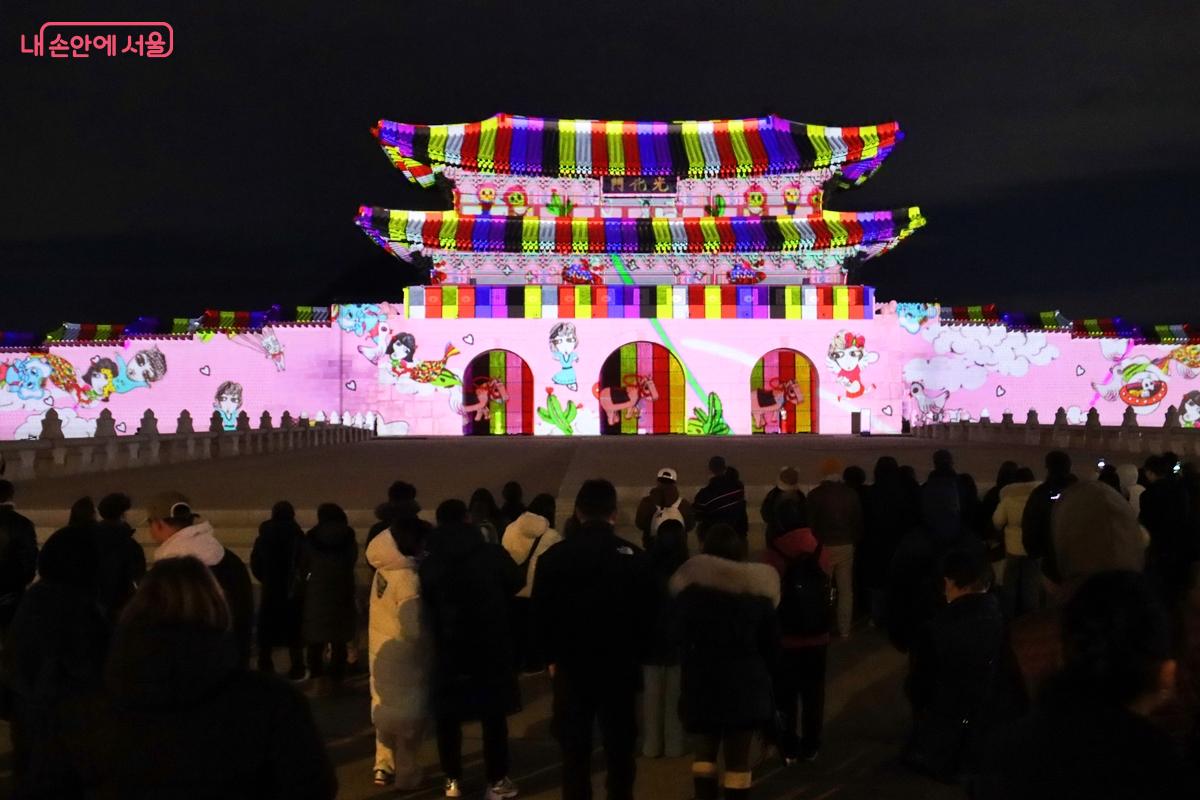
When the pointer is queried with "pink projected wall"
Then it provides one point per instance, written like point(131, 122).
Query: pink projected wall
point(487, 376)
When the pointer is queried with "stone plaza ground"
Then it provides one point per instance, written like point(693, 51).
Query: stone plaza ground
point(867, 717)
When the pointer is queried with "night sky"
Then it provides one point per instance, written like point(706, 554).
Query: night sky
point(1052, 145)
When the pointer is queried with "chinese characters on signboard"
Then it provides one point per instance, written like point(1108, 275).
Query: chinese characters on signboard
point(639, 184)
point(103, 39)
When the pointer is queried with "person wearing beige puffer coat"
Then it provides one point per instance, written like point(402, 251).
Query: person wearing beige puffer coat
point(526, 539)
point(399, 655)
point(1022, 590)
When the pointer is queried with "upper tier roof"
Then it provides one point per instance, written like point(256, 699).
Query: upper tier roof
point(506, 144)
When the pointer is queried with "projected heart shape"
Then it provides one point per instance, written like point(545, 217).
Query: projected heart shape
point(469, 339)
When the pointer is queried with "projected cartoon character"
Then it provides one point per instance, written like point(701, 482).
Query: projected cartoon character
point(1141, 384)
point(746, 272)
point(771, 400)
point(486, 390)
point(360, 319)
point(563, 343)
point(791, 197)
point(913, 316)
point(582, 273)
point(847, 355)
point(628, 397)
point(429, 373)
point(516, 200)
point(1189, 409)
point(931, 404)
point(756, 200)
point(1186, 359)
point(228, 402)
point(381, 340)
point(27, 377)
point(487, 197)
point(98, 378)
point(265, 342)
point(145, 368)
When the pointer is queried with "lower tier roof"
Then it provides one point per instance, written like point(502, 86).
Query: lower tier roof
point(402, 231)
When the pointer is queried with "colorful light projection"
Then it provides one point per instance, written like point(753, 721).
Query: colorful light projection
point(498, 395)
point(784, 399)
point(641, 390)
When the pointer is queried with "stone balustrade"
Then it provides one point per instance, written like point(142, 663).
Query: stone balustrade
point(53, 455)
point(1128, 437)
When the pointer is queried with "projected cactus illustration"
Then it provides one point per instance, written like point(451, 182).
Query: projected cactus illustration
point(558, 415)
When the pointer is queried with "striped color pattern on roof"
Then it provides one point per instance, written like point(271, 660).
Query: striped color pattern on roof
point(449, 230)
point(514, 145)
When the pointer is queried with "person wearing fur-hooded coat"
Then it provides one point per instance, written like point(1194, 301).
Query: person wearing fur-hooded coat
point(730, 635)
point(399, 656)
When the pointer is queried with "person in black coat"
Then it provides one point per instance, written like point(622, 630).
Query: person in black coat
point(594, 605)
point(1036, 530)
point(401, 504)
point(662, 733)
point(54, 650)
point(723, 499)
point(275, 562)
point(888, 514)
point(328, 613)
point(1167, 515)
point(122, 560)
point(18, 554)
point(731, 638)
point(1088, 735)
point(466, 587)
point(179, 716)
point(786, 488)
point(964, 680)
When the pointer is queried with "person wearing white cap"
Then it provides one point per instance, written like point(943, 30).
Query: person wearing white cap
point(660, 499)
point(179, 531)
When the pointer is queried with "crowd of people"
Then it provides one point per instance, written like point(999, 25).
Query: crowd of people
point(1052, 630)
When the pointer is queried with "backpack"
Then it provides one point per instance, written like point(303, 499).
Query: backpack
point(660, 515)
point(807, 595)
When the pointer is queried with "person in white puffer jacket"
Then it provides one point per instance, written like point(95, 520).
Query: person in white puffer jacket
point(399, 654)
point(1022, 588)
point(525, 539)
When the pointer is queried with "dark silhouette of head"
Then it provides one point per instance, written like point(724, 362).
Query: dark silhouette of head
point(968, 568)
point(283, 512)
point(886, 469)
point(1006, 474)
point(943, 461)
point(401, 492)
point(1024, 475)
point(854, 476)
point(179, 591)
point(409, 535)
point(717, 465)
point(596, 501)
point(7, 491)
point(113, 506)
point(1058, 465)
point(452, 512)
point(332, 513)
point(544, 506)
point(83, 513)
point(512, 492)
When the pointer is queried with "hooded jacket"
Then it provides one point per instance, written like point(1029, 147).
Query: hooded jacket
point(780, 553)
point(327, 562)
point(466, 585)
point(399, 646)
point(518, 540)
point(1008, 513)
point(180, 718)
point(730, 637)
point(198, 541)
